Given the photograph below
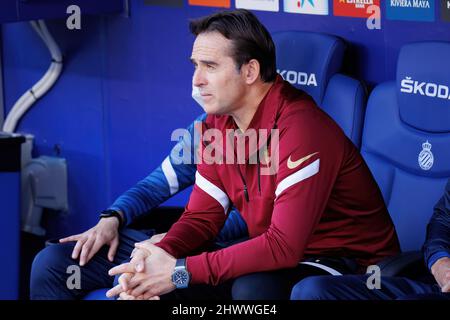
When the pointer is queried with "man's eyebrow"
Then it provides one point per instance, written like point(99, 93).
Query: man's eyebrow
point(210, 62)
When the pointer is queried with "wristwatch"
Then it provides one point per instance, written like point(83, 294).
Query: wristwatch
point(180, 275)
point(112, 213)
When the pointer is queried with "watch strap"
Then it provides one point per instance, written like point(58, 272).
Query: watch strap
point(181, 263)
point(112, 213)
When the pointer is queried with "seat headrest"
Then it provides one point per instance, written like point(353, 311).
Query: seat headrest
point(308, 60)
point(423, 85)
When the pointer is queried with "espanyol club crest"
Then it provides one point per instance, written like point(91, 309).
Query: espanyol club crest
point(426, 158)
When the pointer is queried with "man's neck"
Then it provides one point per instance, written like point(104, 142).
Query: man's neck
point(244, 115)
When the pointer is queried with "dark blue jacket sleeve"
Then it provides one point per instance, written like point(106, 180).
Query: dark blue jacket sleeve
point(437, 243)
point(176, 173)
point(165, 181)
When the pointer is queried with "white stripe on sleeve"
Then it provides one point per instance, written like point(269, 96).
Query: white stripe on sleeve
point(298, 176)
point(213, 191)
point(170, 175)
point(328, 269)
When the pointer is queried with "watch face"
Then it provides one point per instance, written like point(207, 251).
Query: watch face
point(180, 278)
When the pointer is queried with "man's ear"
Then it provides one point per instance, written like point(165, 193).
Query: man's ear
point(251, 71)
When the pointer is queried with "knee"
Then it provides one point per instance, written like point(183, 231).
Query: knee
point(51, 261)
point(240, 290)
point(312, 288)
point(243, 289)
point(254, 287)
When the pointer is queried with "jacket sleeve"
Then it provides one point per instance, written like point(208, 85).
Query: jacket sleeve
point(437, 243)
point(302, 191)
point(175, 173)
point(203, 217)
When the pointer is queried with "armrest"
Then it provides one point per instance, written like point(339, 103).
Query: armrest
point(406, 264)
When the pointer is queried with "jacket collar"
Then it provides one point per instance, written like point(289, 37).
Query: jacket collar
point(266, 115)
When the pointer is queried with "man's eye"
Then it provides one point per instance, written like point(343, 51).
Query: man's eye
point(210, 66)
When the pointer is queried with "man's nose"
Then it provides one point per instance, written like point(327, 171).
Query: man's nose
point(198, 78)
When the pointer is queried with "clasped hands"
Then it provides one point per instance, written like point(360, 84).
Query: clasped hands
point(148, 274)
point(441, 272)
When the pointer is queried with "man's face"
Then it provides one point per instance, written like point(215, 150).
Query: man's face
point(221, 85)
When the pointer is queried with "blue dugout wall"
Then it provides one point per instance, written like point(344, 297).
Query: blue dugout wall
point(126, 84)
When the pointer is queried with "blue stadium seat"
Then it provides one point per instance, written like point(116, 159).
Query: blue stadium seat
point(406, 138)
point(311, 62)
point(406, 144)
point(99, 294)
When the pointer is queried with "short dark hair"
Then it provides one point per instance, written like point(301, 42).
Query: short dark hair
point(250, 38)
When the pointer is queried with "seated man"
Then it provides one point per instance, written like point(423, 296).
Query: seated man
point(437, 257)
point(48, 275)
point(300, 184)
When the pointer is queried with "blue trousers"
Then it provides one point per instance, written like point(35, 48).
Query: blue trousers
point(49, 276)
point(50, 270)
point(354, 287)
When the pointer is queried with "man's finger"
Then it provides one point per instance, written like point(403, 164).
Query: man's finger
point(123, 268)
point(77, 248)
point(71, 238)
point(142, 288)
point(124, 279)
point(113, 249)
point(138, 259)
point(446, 287)
point(85, 250)
point(125, 296)
point(133, 283)
point(95, 248)
point(114, 291)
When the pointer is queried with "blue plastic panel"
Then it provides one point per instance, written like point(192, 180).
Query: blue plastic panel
point(19, 10)
point(10, 234)
point(8, 11)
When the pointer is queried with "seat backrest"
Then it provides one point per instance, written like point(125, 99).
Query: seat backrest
point(311, 62)
point(406, 138)
point(345, 101)
point(308, 60)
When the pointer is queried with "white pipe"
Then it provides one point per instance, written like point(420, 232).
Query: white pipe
point(37, 28)
point(26, 100)
point(53, 47)
point(24, 103)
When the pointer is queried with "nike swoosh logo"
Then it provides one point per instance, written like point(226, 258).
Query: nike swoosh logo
point(293, 164)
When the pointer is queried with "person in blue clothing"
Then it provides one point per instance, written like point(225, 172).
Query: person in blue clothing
point(436, 251)
point(110, 242)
